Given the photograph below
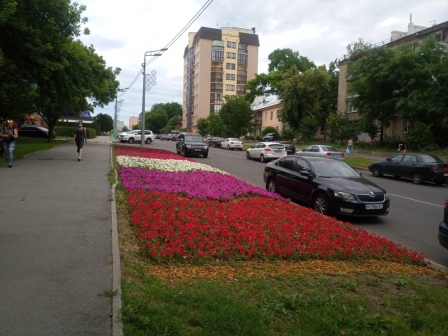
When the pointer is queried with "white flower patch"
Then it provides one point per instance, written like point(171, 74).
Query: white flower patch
point(165, 165)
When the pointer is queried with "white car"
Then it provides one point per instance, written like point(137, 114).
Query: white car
point(232, 143)
point(266, 151)
point(136, 136)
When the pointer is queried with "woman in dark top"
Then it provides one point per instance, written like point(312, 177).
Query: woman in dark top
point(80, 138)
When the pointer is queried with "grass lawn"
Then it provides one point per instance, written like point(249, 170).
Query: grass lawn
point(231, 296)
point(25, 146)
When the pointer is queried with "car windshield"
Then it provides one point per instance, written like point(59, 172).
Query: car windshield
point(276, 146)
point(430, 159)
point(329, 149)
point(234, 139)
point(196, 138)
point(330, 168)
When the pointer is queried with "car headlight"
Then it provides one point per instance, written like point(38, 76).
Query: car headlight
point(205, 147)
point(344, 195)
point(188, 146)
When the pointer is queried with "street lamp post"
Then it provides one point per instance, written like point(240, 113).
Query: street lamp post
point(116, 110)
point(151, 82)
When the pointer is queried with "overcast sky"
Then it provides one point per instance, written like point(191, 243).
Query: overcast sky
point(122, 31)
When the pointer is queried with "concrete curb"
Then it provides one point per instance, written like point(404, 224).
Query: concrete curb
point(117, 327)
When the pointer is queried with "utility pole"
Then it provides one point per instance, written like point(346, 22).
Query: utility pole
point(116, 111)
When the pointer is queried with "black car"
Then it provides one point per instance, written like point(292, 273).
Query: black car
point(35, 132)
point(191, 144)
point(417, 167)
point(443, 227)
point(290, 148)
point(271, 137)
point(215, 142)
point(329, 186)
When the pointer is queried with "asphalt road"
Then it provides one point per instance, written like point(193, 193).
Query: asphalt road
point(416, 210)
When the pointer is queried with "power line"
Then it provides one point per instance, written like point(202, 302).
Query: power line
point(173, 40)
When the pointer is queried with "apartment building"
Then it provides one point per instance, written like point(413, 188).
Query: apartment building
point(217, 62)
point(414, 32)
point(133, 121)
point(266, 111)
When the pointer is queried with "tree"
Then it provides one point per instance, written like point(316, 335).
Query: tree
point(216, 126)
point(281, 60)
point(236, 115)
point(105, 122)
point(303, 94)
point(44, 69)
point(163, 117)
point(373, 87)
point(156, 119)
point(203, 126)
point(408, 82)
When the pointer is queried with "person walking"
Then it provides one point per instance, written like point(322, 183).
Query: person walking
point(9, 135)
point(80, 137)
point(402, 146)
point(350, 146)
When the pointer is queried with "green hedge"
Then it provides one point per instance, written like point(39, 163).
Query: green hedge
point(65, 131)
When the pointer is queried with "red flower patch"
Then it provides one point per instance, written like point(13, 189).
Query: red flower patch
point(174, 227)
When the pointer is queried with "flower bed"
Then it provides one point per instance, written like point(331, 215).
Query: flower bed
point(185, 211)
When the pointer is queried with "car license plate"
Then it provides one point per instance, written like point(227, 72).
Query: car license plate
point(277, 151)
point(373, 206)
point(445, 174)
point(197, 149)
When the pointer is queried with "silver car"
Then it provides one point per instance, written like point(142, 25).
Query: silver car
point(232, 143)
point(322, 150)
point(266, 151)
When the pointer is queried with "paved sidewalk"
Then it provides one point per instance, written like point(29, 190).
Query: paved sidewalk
point(56, 270)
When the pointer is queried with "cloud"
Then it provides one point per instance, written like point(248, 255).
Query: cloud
point(121, 32)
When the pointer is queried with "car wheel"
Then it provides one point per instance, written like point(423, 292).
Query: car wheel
point(228, 147)
point(271, 185)
point(205, 155)
point(131, 140)
point(241, 149)
point(376, 172)
point(184, 152)
point(416, 178)
point(248, 156)
point(262, 158)
point(148, 141)
point(320, 204)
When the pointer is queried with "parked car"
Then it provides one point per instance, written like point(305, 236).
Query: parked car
point(164, 137)
point(215, 142)
point(232, 143)
point(417, 167)
point(266, 151)
point(290, 148)
point(157, 136)
point(322, 150)
point(443, 227)
point(191, 144)
point(174, 136)
point(35, 132)
point(136, 136)
point(271, 137)
point(328, 185)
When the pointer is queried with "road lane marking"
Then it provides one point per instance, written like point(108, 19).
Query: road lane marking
point(413, 199)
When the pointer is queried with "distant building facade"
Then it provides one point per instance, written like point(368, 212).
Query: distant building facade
point(133, 121)
point(415, 32)
point(217, 62)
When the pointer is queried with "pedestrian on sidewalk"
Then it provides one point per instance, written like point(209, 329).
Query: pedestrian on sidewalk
point(402, 146)
point(349, 150)
point(9, 134)
point(80, 137)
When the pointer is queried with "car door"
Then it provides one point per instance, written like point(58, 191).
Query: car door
point(303, 181)
point(285, 176)
point(254, 152)
point(392, 166)
point(407, 165)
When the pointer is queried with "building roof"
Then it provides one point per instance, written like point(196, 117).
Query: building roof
point(216, 34)
point(262, 102)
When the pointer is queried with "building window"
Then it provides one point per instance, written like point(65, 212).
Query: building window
point(217, 55)
point(406, 126)
point(230, 66)
point(351, 108)
point(216, 87)
point(272, 115)
point(215, 108)
point(231, 44)
point(242, 58)
point(230, 87)
point(231, 55)
point(230, 77)
point(265, 116)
